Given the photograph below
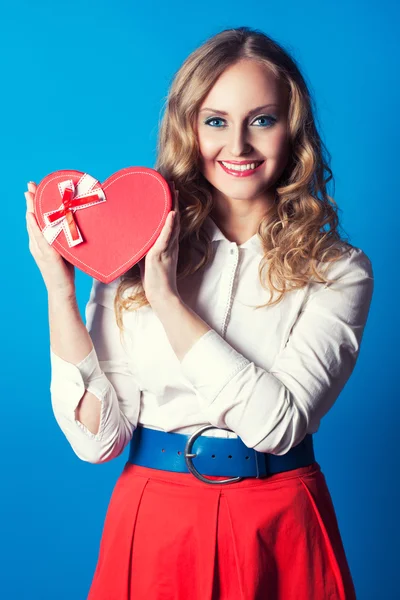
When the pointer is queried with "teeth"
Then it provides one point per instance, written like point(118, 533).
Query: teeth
point(233, 167)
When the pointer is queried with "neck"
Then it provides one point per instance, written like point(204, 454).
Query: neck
point(238, 219)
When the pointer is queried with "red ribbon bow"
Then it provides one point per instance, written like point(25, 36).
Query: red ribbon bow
point(69, 202)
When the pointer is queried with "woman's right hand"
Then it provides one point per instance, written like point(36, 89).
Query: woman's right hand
point(57, 273)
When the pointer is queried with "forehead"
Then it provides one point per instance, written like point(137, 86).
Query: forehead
point(244, 84)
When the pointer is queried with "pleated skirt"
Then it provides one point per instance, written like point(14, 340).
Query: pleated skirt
point(169, 536)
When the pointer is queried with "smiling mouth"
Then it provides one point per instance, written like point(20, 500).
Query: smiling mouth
point(240, 169)
point(230, 164)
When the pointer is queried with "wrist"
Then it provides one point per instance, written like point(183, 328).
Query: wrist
point(166, 303)
point(57, 295)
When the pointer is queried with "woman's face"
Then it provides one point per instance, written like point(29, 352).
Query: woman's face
point(243, 119)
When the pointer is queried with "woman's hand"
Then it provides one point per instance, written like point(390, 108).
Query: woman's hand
point(158, 267)
point(57, 273)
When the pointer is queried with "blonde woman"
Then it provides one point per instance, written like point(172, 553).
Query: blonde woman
point(216, 357)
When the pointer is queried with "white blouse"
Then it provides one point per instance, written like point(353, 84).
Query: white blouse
point(267, 375)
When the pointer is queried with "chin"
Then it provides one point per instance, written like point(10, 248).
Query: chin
point(240, 189)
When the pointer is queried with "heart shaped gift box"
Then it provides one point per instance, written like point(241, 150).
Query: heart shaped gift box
point(103, 228)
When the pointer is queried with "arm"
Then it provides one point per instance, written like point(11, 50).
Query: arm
point(94, 397)
point(91, 379)
point(70, 341)
point(272, 410)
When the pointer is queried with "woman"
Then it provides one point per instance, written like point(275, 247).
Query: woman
point(245, 316)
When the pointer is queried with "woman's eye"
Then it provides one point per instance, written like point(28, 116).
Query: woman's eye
point(267, 121)
point(209, 121)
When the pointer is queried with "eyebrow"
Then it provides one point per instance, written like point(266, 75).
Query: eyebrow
point(222, 112)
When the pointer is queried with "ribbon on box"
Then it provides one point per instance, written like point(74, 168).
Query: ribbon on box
point(73, 198)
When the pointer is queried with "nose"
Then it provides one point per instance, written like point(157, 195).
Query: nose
point(238, 143)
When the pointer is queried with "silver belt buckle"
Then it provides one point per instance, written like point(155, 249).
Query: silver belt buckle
point(189, 455)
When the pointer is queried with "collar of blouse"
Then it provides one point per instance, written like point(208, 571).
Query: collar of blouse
point(254, 243)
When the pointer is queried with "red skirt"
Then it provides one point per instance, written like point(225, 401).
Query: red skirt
point(169, 536)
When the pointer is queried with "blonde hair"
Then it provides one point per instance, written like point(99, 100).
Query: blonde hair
point(302, 227)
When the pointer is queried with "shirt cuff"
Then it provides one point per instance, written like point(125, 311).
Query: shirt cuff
point(69, 381)
point(210, 364)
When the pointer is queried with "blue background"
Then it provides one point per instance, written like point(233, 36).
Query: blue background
point(84, 84)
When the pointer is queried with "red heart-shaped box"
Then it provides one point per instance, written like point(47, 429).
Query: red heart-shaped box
point(116, 233)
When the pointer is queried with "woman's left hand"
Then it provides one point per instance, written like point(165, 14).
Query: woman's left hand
point(158, 267)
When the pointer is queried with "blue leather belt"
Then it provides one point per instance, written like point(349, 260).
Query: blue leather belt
point(208, 455)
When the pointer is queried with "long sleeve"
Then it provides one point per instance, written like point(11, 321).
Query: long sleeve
point(273, 410)
point(105, 372)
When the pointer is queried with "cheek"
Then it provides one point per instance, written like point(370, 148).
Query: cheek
point(277, 154)
point(208, 148)
point(277, 143)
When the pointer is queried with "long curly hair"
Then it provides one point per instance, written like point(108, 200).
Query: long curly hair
point(301, 231)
